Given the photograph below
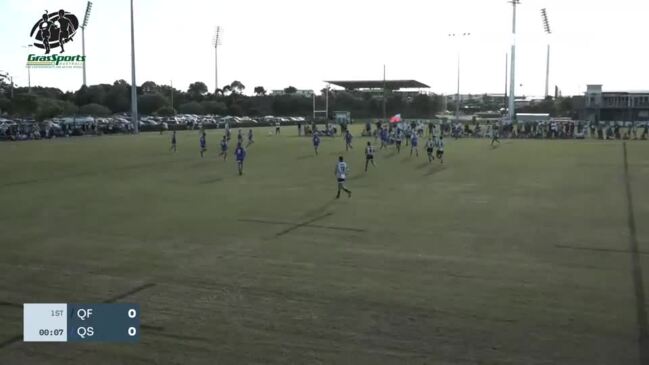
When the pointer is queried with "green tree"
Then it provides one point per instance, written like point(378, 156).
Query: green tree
point(196, 90)
point(48, 108)
point(237, 87)
point(165, 111)
point(260, 91)
point(214, 107)
point(149, 87)
point(24, 104)
point(95, 110)
point(5, 104)
point(118, 97)
point(290, 90)
point(149, 103)
point(193, 107)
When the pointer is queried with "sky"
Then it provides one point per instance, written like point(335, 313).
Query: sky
point(277, 43)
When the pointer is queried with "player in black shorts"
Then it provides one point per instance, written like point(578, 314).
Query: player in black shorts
point(369, 155)
point(440, 149)
point(494, 135)
point(430, 145)
point(397, 140)
point(173, 142)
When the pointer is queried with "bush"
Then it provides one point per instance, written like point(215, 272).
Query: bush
point(95, 110)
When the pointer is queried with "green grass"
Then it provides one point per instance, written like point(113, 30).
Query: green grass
point(518, 254)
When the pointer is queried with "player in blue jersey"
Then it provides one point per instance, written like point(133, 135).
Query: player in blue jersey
point(173, 142)
point(203, 144)
point(240, 154)
point(414, 140)
point(348, 140)
point(316, 141)
point(369, 155)
point(341, 172)
point(224, 148)
point(383, 134)
point(250, 139)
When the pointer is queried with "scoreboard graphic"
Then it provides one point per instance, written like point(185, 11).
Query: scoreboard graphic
point(64, 322)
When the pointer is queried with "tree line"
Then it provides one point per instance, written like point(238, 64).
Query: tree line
point(164, 100)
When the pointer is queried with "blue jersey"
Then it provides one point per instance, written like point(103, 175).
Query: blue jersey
point(348, 137)
point(384, 135)
point(316, 140)
point(224, 145)
point(202, 141)
point(240, 153)
point(414, 140)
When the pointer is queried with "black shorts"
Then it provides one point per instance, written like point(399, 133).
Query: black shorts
point(369, 157)
point(429, 150)
point(341, 180)
point(440, 153)
point(398, 143)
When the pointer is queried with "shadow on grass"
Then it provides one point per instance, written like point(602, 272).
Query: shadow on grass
point(322, 208)
point(211, 180)
point(358, 176)
point(392, 154)
point(435, 169)
point(423, 165)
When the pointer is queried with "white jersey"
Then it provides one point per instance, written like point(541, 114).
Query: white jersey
point(341, 170)
point(430, 144)
point(369, 150)
point(440, 145)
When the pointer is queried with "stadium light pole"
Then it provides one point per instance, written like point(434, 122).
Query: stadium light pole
point(512, 69)
point(506, 70)
point(136, 127)
point(546, 27)
point(172, 93)
point(218, 35)
point(83, 38)
point(384, 109)
point(29, 73)
point(457, 94)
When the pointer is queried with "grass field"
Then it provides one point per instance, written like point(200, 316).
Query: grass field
point(522, 254)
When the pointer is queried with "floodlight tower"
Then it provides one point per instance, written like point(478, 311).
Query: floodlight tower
point(134, 118)
point(29, 72)
point(546, 26)
point(83, 38)
point(458, 36)
point(218, 37)
point(512, 69)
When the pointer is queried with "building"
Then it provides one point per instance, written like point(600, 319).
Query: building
point(615, 105)
point(308, 93)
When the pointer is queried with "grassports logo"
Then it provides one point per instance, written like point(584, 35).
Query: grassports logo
point(52, 32)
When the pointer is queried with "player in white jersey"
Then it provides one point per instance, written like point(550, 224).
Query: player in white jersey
point(440, 149)
point(430, 145)
point(341, 172)
point(369, 155)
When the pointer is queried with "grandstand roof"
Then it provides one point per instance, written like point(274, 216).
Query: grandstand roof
point(378, 84)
